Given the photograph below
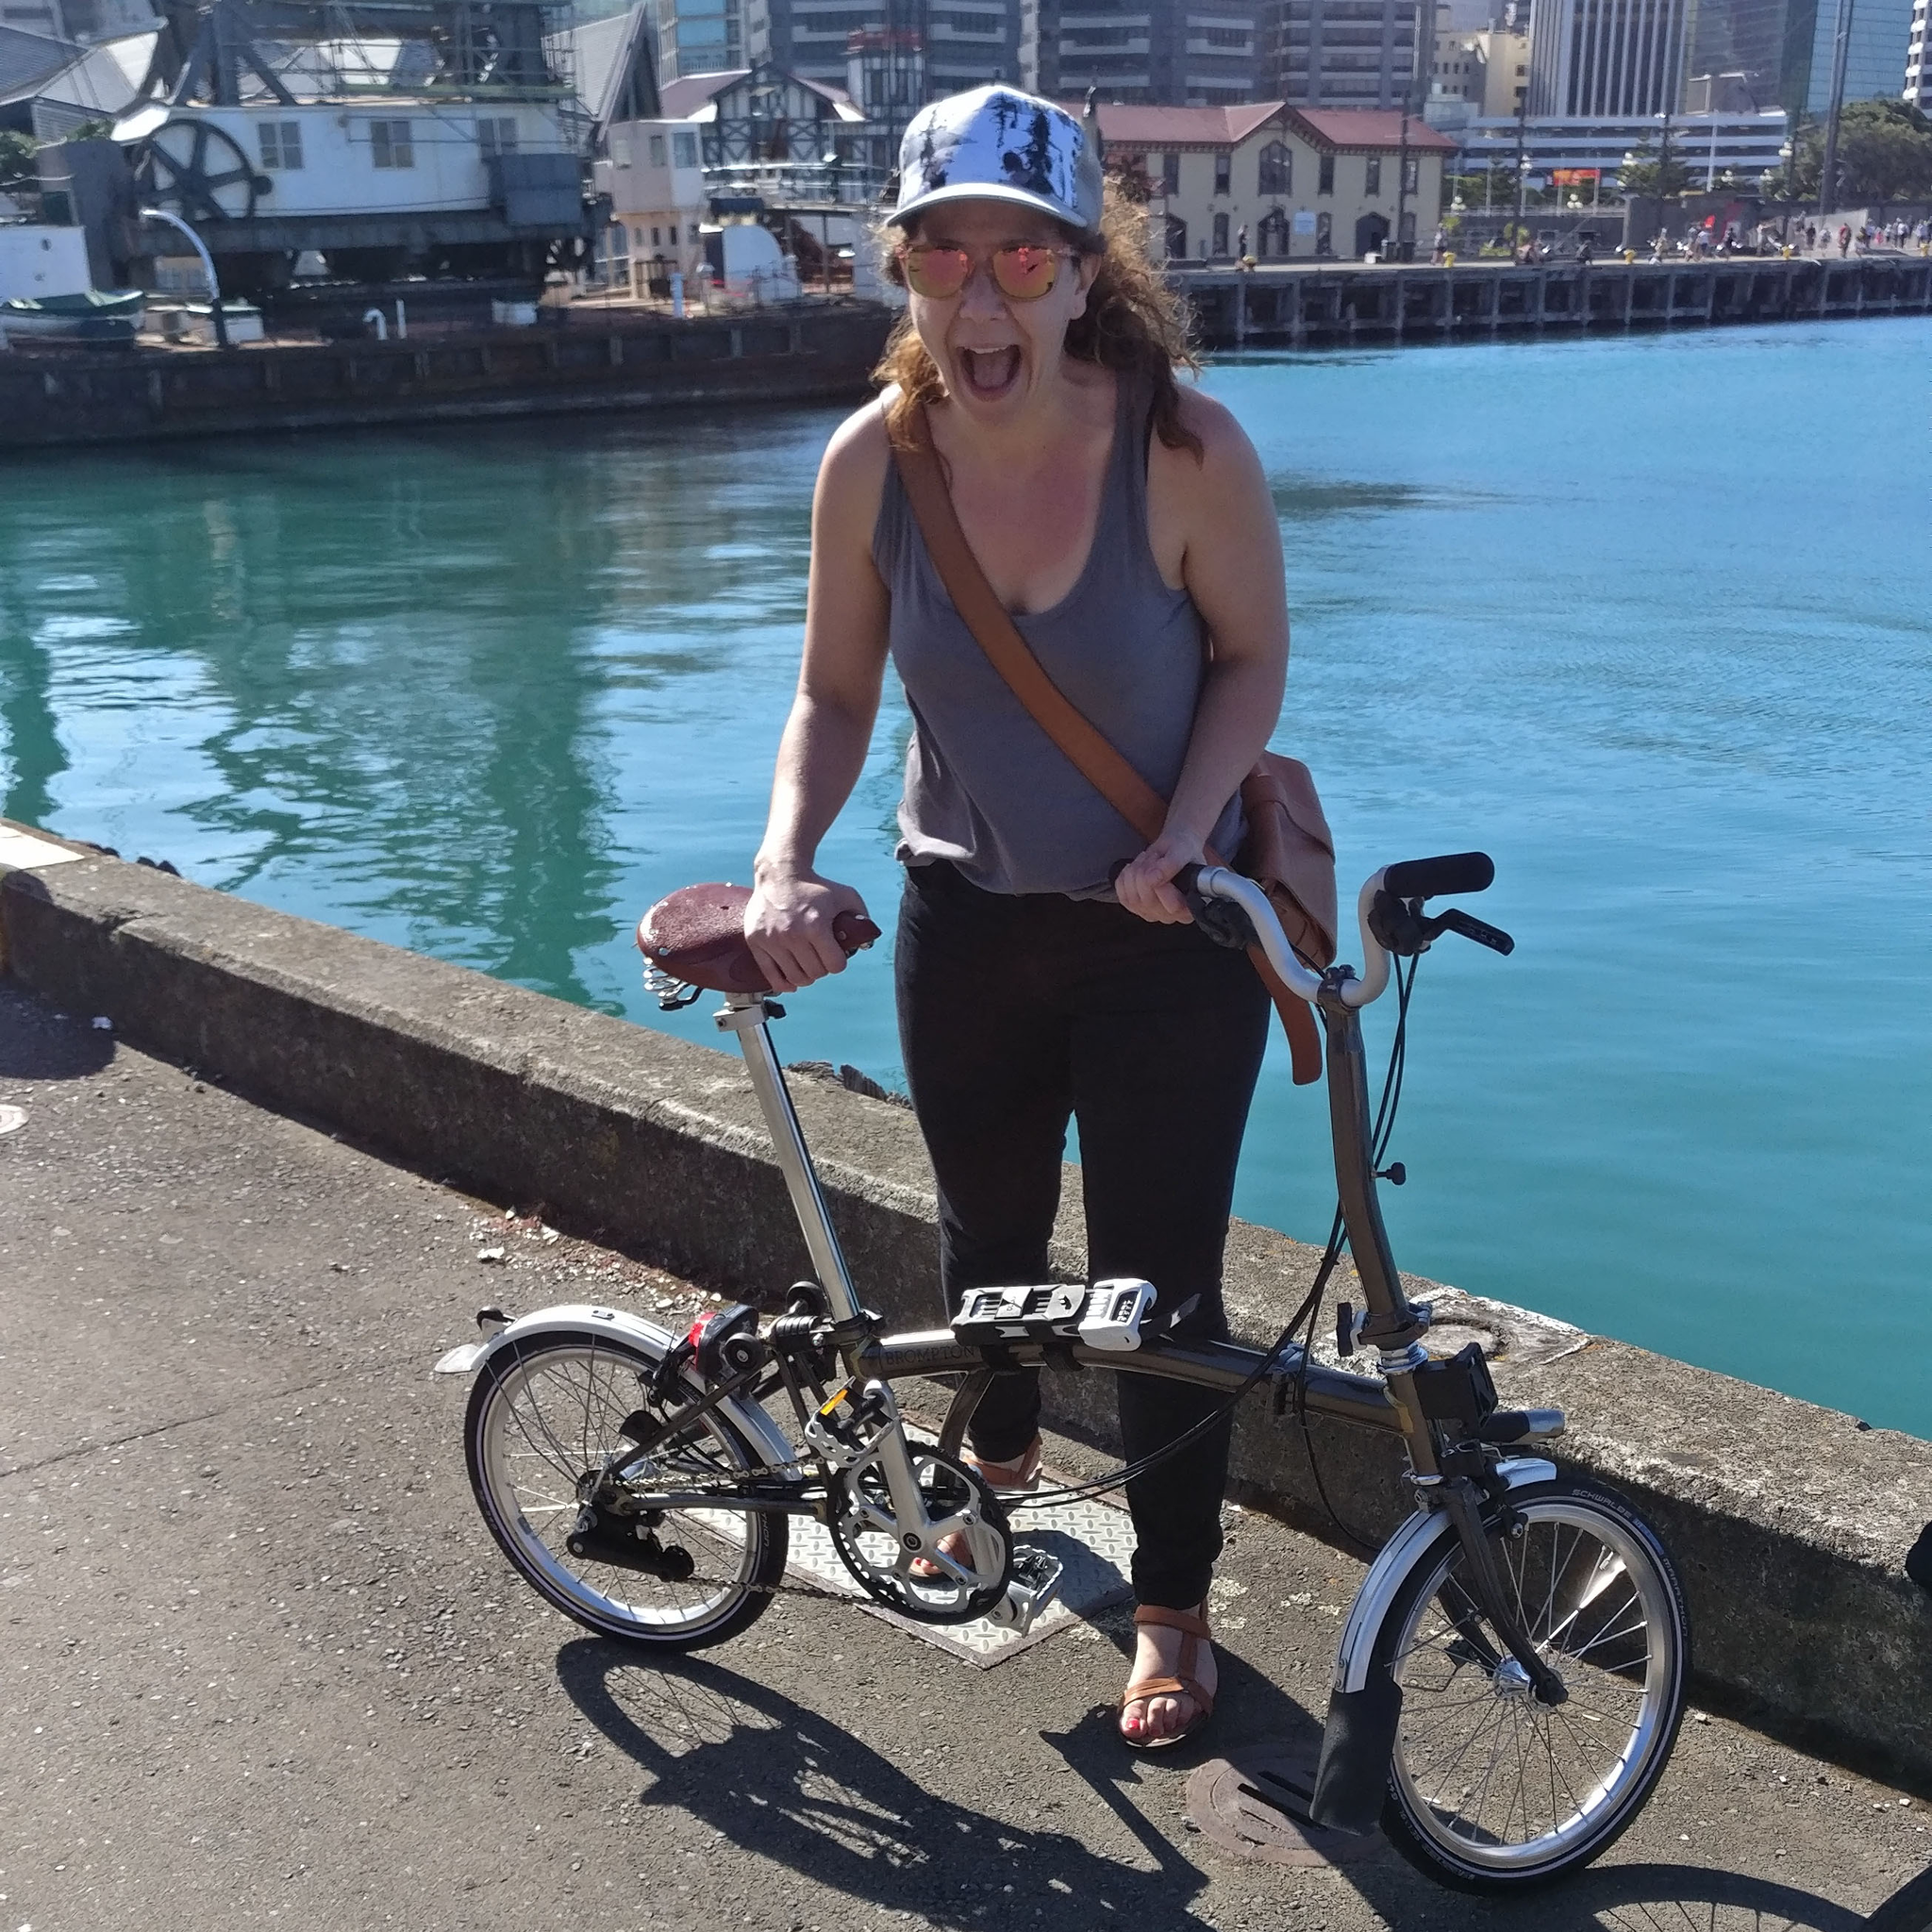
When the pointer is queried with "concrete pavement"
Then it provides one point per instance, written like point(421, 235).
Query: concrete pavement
point(262, 1666)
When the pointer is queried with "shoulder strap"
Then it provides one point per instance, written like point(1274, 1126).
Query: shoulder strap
point(1084, 746)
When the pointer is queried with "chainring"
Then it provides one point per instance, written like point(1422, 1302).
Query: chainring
point(931, 1586)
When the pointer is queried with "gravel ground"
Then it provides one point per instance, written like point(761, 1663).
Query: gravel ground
point(262, 1664)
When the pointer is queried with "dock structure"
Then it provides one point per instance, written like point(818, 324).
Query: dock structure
point(1338, 303)
point(600, 362)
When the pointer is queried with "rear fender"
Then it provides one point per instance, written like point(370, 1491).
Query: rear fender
point(615, 1324)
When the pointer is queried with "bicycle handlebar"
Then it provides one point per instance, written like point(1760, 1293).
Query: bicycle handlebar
point(1416, 879)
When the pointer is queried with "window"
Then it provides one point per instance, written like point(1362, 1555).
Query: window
point(638, 237)
point(1277, 170)
point(1274, 234)
point(694, 234)
point(281, 144)
point(1324, 176)
point(1372, 186)
point(1171, 176)
point(1407, 235)
point(1221, 234)
point(1176, 237)
point(1225, 36)
point(656, 150)
point(1223, 162)
point(496, 135)
point(390, 144)
point(1324, 233)
point(657, 239)
point(683, 150)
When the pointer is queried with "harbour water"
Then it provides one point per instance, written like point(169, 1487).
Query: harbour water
point(1645, 618)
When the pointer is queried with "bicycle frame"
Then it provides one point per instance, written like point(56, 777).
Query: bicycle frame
point(1393, 1321)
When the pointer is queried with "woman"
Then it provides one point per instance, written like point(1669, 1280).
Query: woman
point(1126, 523)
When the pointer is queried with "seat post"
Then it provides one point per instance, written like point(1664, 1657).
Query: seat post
point(744, 1015)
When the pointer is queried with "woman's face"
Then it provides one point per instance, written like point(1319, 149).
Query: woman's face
point(994, 355)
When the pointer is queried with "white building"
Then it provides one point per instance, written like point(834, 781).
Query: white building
point(1919, 58)
point(1709, 145)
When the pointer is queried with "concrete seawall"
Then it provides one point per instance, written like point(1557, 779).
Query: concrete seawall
point(1790, 1523)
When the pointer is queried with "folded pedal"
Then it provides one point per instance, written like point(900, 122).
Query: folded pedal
point(1034, 1589)
point(1108, 1315)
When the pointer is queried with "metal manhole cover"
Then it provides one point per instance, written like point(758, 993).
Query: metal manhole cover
point(1255, 1805)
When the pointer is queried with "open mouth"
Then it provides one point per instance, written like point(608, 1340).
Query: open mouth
point(989, 373)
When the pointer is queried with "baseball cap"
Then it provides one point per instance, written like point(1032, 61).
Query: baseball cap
point(997, 144)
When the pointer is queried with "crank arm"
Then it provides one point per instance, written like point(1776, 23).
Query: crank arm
point(1459, 1500)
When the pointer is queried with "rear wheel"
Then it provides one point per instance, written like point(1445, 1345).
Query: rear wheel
point(1489, 1789)
point(546, 1418)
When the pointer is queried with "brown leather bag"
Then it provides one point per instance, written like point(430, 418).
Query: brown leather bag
point(1289, 851)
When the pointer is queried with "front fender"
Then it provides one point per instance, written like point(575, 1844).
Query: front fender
point(588, 1318)
point(1410, 1545)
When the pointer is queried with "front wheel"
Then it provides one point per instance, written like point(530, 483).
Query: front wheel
point(1491, 1790)
point(547, 1419)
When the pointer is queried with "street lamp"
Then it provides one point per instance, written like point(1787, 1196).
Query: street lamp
point(207, 266)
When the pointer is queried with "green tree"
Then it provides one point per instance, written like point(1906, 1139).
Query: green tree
point(16, 159)
point(1884, 154)
point(1651, 174)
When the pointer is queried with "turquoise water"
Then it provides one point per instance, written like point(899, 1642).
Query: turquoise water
point(1643, 617)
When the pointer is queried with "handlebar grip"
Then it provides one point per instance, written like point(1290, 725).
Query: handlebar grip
point(1456, 872)
point(854, 931)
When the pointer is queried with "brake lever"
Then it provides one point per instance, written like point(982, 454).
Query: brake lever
point(1223, 920)
point(1456, 920)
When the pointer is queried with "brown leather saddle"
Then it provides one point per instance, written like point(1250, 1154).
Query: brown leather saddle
point(694, 939)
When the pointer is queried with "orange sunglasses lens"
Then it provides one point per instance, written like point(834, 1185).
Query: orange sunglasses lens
point(1025, 272)
point(937, 274)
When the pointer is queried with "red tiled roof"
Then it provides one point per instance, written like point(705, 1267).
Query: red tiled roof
point(1161, 127)
point(1359, 128)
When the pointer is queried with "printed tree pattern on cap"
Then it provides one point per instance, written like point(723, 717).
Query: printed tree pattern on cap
point(999, 138)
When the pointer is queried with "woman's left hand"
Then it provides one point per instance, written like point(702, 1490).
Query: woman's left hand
point(1144, 885)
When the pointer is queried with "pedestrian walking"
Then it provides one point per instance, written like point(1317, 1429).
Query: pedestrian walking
point(1047, 967)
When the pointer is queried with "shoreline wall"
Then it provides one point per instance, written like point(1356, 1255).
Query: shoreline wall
point(1789, 1523)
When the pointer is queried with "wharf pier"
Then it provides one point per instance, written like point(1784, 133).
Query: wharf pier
point(1299, 305)
point(594, 359)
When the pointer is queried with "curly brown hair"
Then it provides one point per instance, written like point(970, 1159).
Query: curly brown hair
point(1133, 324)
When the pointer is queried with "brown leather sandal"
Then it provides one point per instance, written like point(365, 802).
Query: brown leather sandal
point(1184, 1683)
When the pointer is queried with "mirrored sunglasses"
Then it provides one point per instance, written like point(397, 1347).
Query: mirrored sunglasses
point(1022, 271)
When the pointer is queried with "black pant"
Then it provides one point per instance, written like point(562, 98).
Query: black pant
point(1018, 1010)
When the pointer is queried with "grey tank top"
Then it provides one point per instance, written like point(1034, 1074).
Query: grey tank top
point(985, 787)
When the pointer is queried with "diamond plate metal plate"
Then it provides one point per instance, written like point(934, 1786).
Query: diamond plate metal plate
point(1093, 1542)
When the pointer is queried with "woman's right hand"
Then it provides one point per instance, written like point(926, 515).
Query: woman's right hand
point(788, 925)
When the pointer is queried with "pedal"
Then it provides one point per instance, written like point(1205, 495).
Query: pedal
point(990, 1316)
point(1114, 1313)
point(1033, 1591)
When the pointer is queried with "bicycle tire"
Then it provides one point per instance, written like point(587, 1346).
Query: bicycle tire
point(1611, 1620)
point(545, 1412)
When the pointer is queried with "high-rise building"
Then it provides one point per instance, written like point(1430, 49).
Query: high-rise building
point(1880, 35)
point(1919, 58)
point(1175, 53)
point(699, 37)
point(1607, 59)
point(1347, 53)
point(964, 46)
point(1764, 45)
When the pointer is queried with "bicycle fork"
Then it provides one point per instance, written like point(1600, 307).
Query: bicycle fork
point(1365, 1708)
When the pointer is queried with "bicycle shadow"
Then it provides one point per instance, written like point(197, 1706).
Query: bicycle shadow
point(792, 1787)
point(789, 1784)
